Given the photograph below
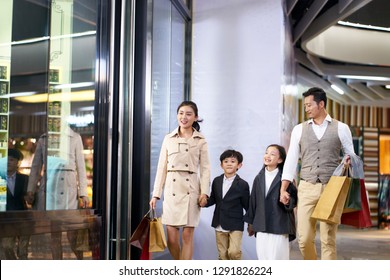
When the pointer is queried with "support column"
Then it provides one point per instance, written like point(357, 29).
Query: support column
point(242, 64)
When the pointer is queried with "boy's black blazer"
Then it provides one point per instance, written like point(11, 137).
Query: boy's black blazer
point(16, 201)
point(229, 210)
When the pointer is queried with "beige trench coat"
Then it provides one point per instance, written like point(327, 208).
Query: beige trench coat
point(183, 172)
point(66, 178)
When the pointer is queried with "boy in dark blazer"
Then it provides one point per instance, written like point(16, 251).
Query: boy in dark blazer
point(230, 194)
point(16, 192)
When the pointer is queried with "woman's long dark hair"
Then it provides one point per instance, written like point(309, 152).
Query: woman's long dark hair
point(195, 108)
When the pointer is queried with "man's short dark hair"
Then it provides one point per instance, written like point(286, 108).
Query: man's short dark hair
point(317, 93)
point(15, 153)
point(231, 153)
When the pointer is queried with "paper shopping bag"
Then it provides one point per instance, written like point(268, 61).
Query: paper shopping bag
point(157, 240)
point(362, 218)
point(331, 203)
point(353, 202)
point(145, 254)
point(141, 232)
point(82, 240)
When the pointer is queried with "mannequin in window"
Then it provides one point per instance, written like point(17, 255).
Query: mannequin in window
point(63, 184)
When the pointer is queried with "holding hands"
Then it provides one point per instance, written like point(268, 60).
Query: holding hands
point(30, 198)
point(284, 197)
point(202, 200)
point(250, 230)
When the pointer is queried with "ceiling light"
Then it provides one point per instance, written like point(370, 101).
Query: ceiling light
point(45, 38)
point(81, 121)
point(76, 96)
point(336, 88)
point(87, 108)
point(364, 26)
point(19, 94)
point(74, 35)
point(75, 85)
point(357, 77)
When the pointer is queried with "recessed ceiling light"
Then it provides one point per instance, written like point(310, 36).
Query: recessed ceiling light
point(336, 88)
point(75, 96)
point(364, 26)
point(44, 38)
point(75, 85)
point(357, 77)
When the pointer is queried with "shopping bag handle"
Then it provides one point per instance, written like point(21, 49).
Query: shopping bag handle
point(347, 170)
point(153, 214)
point(148, 214)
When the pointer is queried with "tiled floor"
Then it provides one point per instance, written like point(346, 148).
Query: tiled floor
point(356, 244)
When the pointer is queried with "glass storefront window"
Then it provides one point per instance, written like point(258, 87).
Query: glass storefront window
point(5, 53)
point(47, 99)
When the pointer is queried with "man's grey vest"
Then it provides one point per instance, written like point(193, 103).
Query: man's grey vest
point(319, 157)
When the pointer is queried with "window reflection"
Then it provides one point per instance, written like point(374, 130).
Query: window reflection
point(16, 189)
point(47, 80)
point(47, 97)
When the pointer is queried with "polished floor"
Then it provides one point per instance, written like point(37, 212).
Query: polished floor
point(356, 244)
point(352, 244)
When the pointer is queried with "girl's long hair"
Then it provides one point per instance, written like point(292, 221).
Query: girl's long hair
point(282, 154)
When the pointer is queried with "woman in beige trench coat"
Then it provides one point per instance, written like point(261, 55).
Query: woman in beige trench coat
point(184, 173)
point(64, 182)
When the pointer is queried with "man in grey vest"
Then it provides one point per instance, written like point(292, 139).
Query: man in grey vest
point(317, 142)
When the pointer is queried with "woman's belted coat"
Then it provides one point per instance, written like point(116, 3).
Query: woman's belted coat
point(183, 173)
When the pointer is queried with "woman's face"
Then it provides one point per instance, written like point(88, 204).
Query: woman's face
point(272, 157)
point(186, 117)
